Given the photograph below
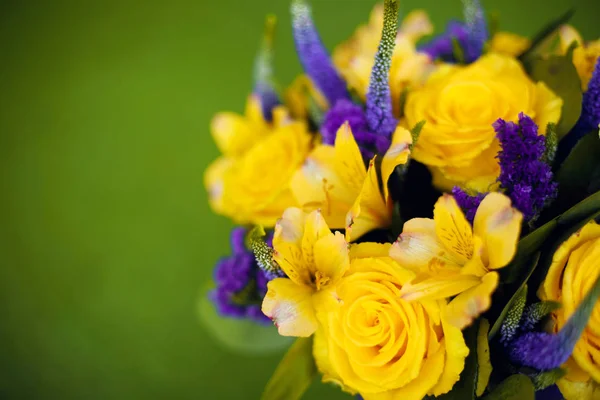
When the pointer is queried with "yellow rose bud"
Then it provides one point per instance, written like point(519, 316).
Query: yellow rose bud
point(509, 43)
point(251, 184)
point(459, 105)
point(573, 271)
point(381, 346)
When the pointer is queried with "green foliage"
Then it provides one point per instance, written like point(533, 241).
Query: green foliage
point(547, 378)
point(415, 132)
point(545, 33)
point(551, 143)
point(294, 373)
point(578, 175)
point(515, 387)
point(459, 53)
point(240, 335)
point(560, 75)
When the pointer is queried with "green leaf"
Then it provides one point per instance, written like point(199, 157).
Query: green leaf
point(547, 378)
point(526, 266)
point(578, 174)
point(545, 33)
point(240, 335)
point(415, 132)
point(465, 388)
point(551, 143)
point(515, 387)
point(560, 75)
point(459, 53)
point(294, 373)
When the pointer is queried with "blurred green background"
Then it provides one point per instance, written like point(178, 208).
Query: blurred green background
point(105, 235)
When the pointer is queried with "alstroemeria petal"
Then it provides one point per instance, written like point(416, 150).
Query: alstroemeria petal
point(468, 305)
point(419, 249)
point(436, 288)
point(397, 154)
point(369, 210)
point(331, 259)
point(349, 164)
point(499, 225)
point(290, 307)
point(452, 228)
point(287, 242)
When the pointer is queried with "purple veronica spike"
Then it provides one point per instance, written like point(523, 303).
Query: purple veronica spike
point(590, 112)
point(546, 351)
point(477, 32)
point(263, 71)
point(313, 56)
point(240, 283)
point(468, 203)
point(379, 99)
point(346, 111)
point(525, 177)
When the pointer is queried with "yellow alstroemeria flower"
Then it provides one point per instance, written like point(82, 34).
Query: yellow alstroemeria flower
point(298, 95)
point(355, 57)
point(380, 345)
point(451, 258)
point(584, 55)
point(249, 183)
point(314, 259)
point(335, 180)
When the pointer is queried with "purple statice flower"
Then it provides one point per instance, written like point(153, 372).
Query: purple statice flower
point(470, 36)
point(468, 203)
point(527, 180)
point(380, 117)
point(314, 56)
point(346, 111)
point(441, 47)
point(240, 283)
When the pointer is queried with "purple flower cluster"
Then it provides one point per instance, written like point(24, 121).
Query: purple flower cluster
point(590, 110)
point(525, 177)
point(241, 284)
point(346, 111)
point(442, 47)
point(468, 203)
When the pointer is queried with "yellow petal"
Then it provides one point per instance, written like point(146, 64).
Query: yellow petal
point(416, 25)
point(214, 182)
point(568, 35)
point(419, 249)
point(397, 154)
point(548, 106)
point(436, 288)
point(315, 228)
point(331, 259)
point(316, 185)
point(287, 245)
point(498, 224)
point(452, 228)
point(467, 306)
point(290, 307)
point(456, 352)
point(349, 164)
point(369, 250)
point(573, 390)
point(369, 211)
point(483, 357)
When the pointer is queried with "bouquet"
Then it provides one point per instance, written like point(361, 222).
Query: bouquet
point(416, 213)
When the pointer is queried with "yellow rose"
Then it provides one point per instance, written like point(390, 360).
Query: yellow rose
point(381, 346)
point(585, 55)
point(573, 271)
point(355, 57)
point(250, 182)
point(509, 43)
point(459, 105)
